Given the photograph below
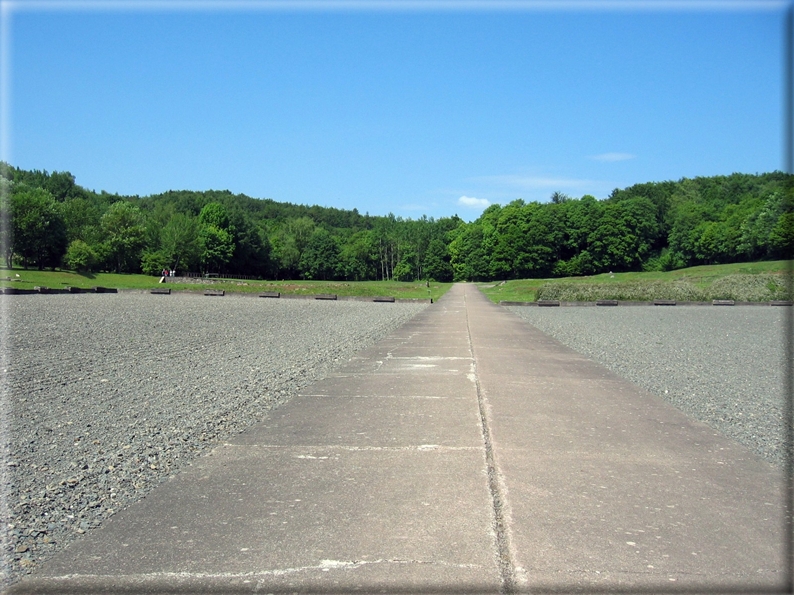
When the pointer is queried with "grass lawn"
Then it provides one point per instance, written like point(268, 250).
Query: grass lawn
point(525, 290)
point(518, 290)
point(28, 279)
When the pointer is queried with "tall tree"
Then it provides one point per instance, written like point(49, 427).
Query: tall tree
point(38, 233)
point(215, 237)
point(6, 235)
point(436, 263)
point(179, 241)
point(320, 259)
point(216, 246)
point(123, 226)
point(358, 257)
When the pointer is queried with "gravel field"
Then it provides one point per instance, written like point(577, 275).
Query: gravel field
point(724, 366)
point(107, 395)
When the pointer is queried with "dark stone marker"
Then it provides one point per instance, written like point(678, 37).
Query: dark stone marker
point(664, 302)
point(270, 294)
point(325, 296)
point(722, 302)
point(606, 303)
point(383, 298)
point(219, 292)
point(548, 303)
point(75, 290)
point(781, 303)
point(17, 291)
point(161, 291)
point(105, 290)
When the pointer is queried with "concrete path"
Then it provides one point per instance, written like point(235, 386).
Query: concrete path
point(465, 453)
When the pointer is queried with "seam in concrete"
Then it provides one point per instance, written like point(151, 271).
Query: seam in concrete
point(324, 565)
point(498, 501)
point(321, 396)
point(427, 357)
point(314, 447)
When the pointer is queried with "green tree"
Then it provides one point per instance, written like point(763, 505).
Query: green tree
point(320, 259)
point(358, 257)
point(543, 238)
point(252, 247)
point(215, 237)
point(756, 228)
point(179, 242)
point(781, 239)
point(216, 247)
point(61, 185)
point(387, 237)
point(215, 215)
point(508, 240)
point(82, 220)
point(436, 264)
point(123, 228)
point(578, 219)
point(302, 230)
point(80, 257)
point(611, 244)
point(285, 254)
point(37, 229)
point(468, 258)
point(154, 261)
point(288, 241)
point(406, 269)
point(6, 237)
point(683, 234)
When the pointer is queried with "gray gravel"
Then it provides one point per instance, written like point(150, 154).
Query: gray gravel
point(724, 366)
point(107, 395)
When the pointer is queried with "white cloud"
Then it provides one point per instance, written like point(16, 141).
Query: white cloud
point(468, 201)
point(610, 157)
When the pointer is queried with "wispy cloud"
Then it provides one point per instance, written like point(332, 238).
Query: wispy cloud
point(610, 157)
point(469, 201)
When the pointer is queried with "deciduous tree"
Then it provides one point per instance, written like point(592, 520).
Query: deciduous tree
point(37, 229)
point(123, 228)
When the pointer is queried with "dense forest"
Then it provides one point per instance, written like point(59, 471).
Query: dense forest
point(50, 221)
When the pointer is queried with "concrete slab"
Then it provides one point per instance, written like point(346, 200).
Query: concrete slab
point(580, 518)
point(371, 421)
point(395, 385)
point(606, 487)
point(373, 479)
point(294, 507)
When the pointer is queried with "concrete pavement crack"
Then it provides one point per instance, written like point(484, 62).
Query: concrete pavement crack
point(498, 501)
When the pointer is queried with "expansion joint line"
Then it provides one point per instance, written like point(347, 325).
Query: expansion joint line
point(504, 555)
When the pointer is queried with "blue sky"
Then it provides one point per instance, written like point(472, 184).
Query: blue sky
point(388, 108)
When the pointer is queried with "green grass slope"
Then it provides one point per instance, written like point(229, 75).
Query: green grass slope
point(757, 281)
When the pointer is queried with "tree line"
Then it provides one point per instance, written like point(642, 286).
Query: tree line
point(51, 221)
